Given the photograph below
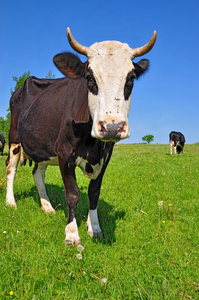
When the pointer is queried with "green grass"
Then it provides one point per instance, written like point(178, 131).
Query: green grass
point(149, 251)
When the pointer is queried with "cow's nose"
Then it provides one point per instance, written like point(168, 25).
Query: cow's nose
point(112, 130)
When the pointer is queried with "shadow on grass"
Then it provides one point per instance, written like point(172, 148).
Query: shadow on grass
point(108, 214)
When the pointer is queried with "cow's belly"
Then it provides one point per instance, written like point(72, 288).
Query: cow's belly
point(89, 170)
point(53, 161)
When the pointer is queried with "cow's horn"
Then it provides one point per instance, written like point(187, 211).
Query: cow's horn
point(146, 48)
point(75, 45)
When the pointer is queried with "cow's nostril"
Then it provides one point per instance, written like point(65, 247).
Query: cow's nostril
point(102, 127)
point(122, 128)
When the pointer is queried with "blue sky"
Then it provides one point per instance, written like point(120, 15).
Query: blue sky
point(164, 99)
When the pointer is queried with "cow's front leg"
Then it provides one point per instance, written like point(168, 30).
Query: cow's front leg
point(39, 176)
point(72, 197)
point(171, 146)
point(94, 229)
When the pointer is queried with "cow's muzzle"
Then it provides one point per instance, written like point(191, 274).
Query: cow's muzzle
point(112, 130)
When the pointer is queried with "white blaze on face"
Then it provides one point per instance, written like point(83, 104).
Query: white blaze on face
point(110, 63)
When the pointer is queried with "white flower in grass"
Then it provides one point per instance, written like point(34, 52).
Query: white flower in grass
point(103, 281)
point(160, 203)
point(80, 248)
point(79, 256)
point(4, 231)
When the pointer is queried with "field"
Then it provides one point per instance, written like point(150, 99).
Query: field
point(148, 211)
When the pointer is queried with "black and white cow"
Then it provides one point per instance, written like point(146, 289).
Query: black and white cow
point(2, 143)
point(177, 140)
point(75, 121)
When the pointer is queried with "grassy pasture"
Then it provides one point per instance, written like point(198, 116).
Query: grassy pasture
point(148, 211)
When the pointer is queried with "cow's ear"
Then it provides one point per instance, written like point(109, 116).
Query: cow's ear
point(69, 64)
point(141, 67)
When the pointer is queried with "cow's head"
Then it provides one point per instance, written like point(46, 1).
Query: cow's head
point(179, 146)
point(110, 74)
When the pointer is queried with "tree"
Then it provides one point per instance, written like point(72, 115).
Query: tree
point(2, 126)
point(148, 138)
point(50, 75)
point(20, 81)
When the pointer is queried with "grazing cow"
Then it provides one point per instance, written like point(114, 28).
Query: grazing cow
point(2, 143)
point(74, 121)
point(177, 140)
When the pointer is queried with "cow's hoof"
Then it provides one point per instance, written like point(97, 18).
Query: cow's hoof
point(48, 209)
point(95, 234)
point(72, 242)
point(11, 204)
point(99, 235)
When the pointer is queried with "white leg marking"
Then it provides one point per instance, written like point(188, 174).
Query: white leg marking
point(93, 223)
point(39, 177)
point(71, 231)
point(10, 200)
point(11, 172)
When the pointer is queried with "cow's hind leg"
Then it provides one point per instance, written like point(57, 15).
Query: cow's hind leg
point(11, 168)
point(39, 176)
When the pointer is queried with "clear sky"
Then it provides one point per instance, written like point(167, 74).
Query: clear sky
point(166, 98)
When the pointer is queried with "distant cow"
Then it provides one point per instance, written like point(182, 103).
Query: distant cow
point(74, 121)
point(177, 140)
point(2, 143)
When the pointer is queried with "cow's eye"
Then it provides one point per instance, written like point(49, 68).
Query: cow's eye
point(92, 85)
point(128, 87)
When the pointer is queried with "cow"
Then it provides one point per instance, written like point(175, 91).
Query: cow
point(75, 121)
point(2, 143)
point(177, 140)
